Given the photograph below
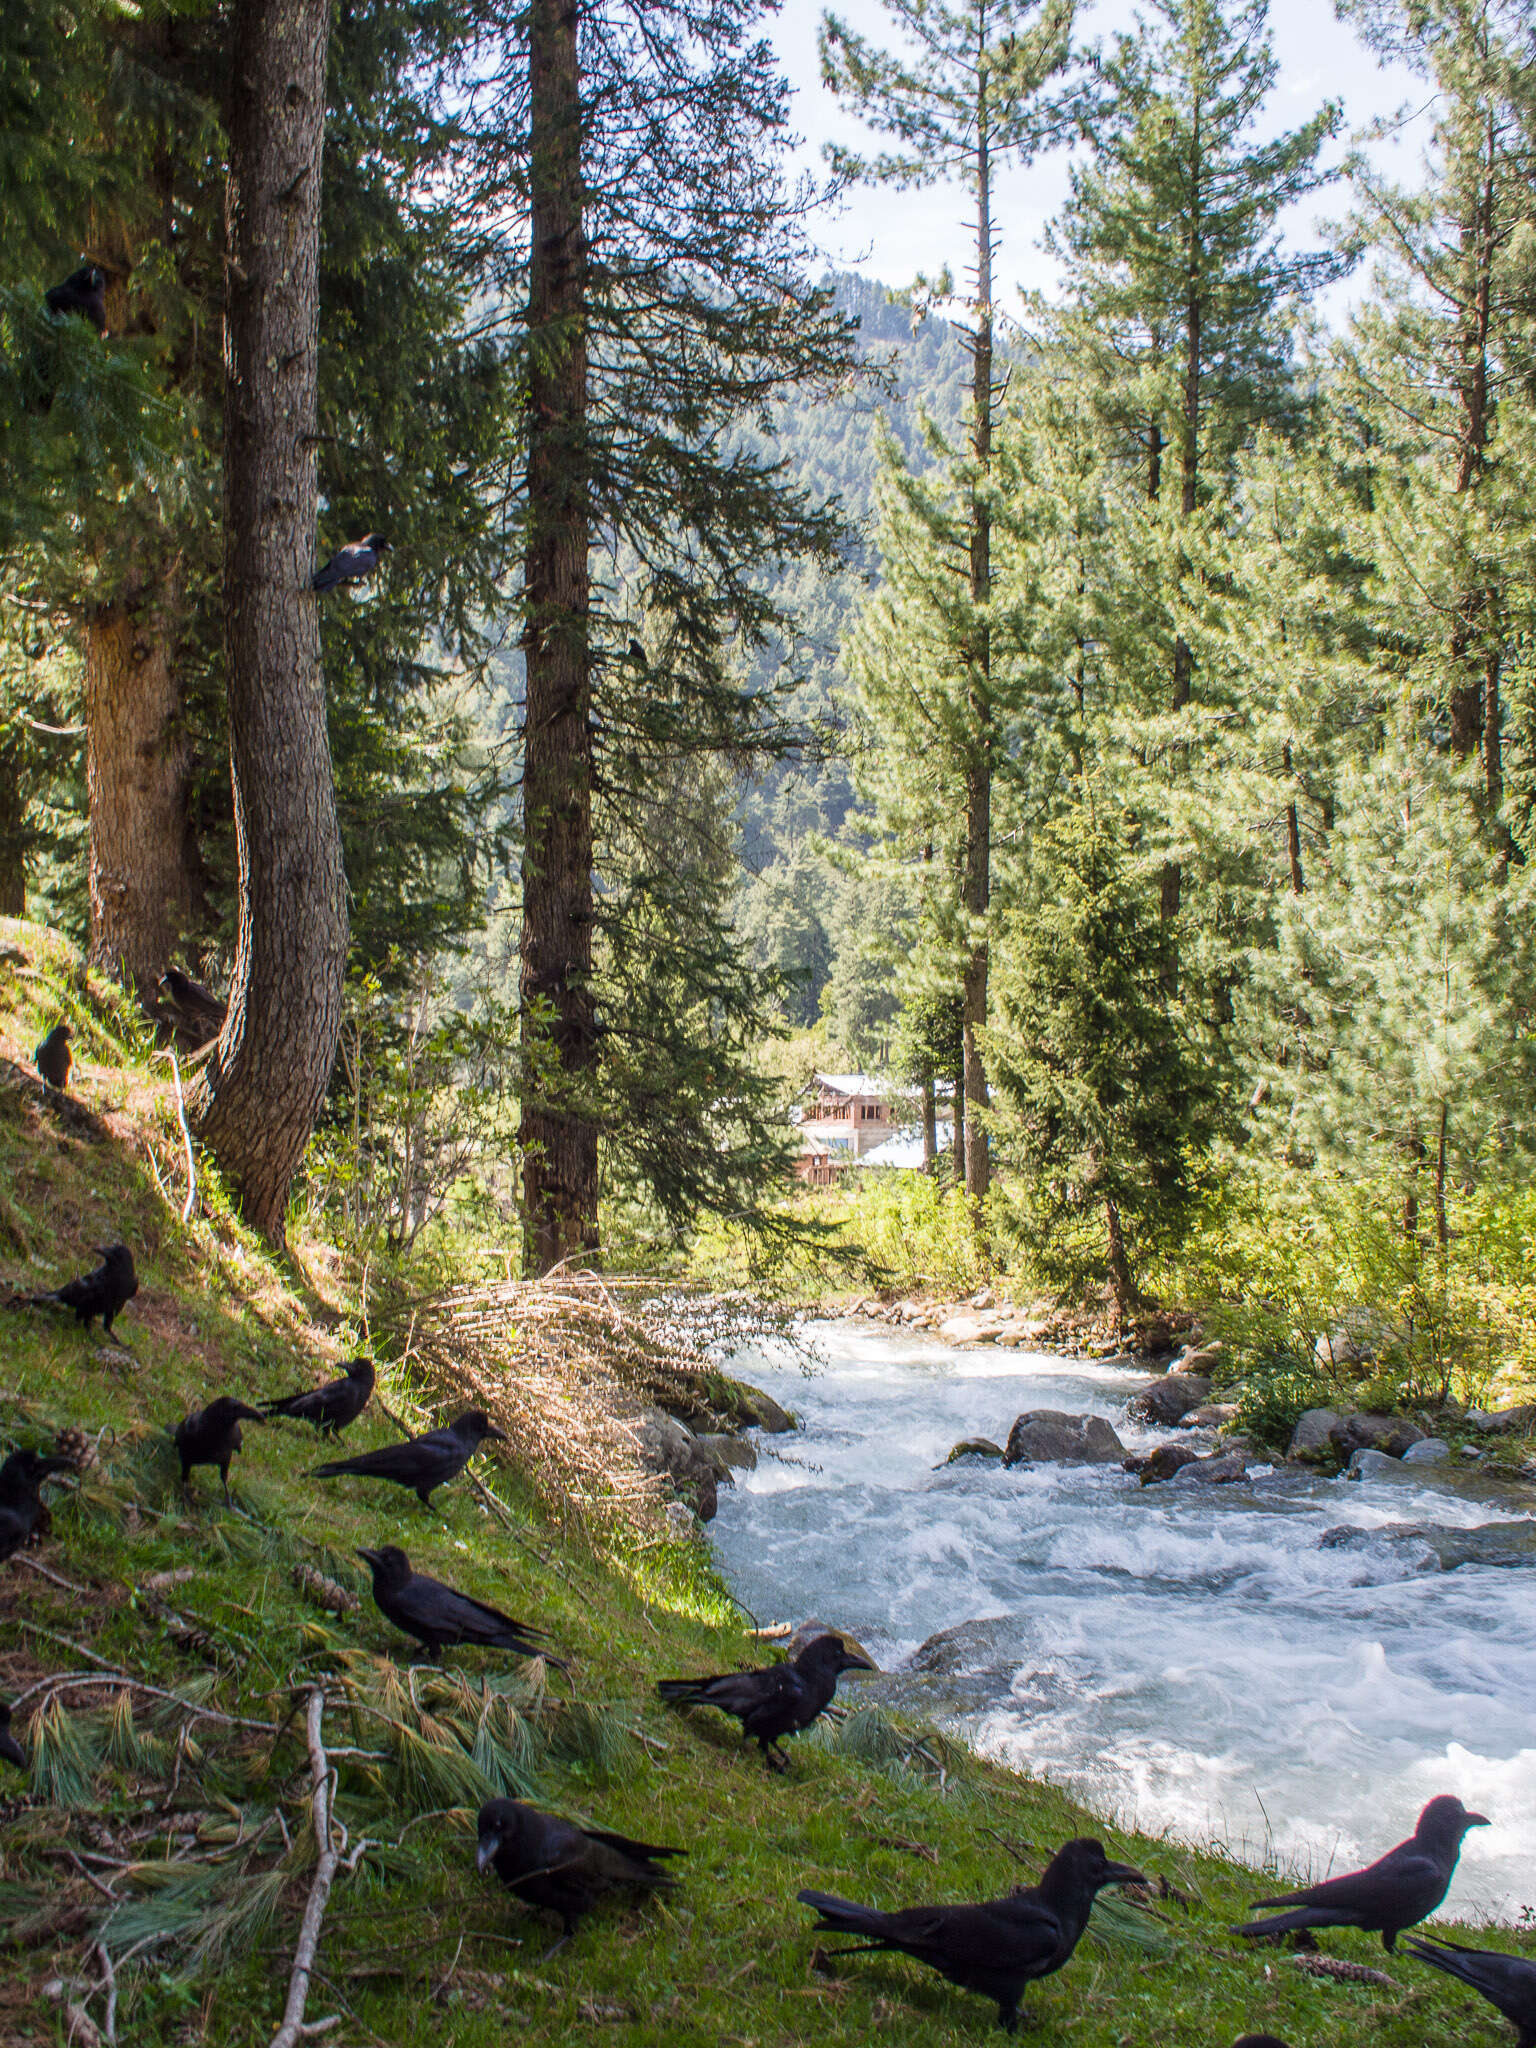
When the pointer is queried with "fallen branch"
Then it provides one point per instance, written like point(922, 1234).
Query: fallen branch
point(68, 1681)
point(186, 1135)
point(293, 2028)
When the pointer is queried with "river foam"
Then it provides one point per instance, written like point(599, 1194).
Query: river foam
point(1189, 1661)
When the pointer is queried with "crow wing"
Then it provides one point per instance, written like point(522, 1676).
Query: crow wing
point(1507, 1982)
point(440, 1608)
point(1411, 1884)
point(1015, 1935)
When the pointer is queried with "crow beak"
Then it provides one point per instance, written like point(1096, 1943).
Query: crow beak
point(499, 1434)
point(1122, 1873)
point(369, 1557)
point(485, 1852)
point(1478, 1820)
point(851, 1662)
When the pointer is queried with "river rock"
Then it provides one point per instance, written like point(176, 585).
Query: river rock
point(1368, 1464)
point(670, 1450)
point(1504, 1421)
point(1164, 1401)
point(1390, 1433)
point(968, 1646)
point(1429, 1450)
point(1213, 1415)
point(1164, 1462)
point(1502, 1545)
point(974, 1447)
point(970, 1329)
point(1224, 1468)
point(728, 1453)
point(1313, 1435)
point(806, 1632)
point(1197, 1359)
point(758, 1410)
point(1045, 1436)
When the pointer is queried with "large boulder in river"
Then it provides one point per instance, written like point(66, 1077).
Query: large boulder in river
point(1222, 1468)
point(974, 1447)
point(1166, 1400)
point(1312, 1438)
point(1389, 1433)
point(971, 1329)
point(1164, 1462)
point(756, 1410)
point(672, 1451)
point(1045, 1436)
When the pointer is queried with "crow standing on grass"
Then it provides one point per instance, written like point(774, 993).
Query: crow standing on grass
point(333, 1407)
point(995, 1948)
point(53, 1058)
point(1259, 2041)
point(549, 1862)
point(1507, 1982)
point(84, 292)
point(212, 1436)
point(10, 1749)
point(21, 1504)
point(1397, 1891)
point(773, 1703)
point(358, 559)
point(105, 1291)
point(439, 1617)
point(422, 1463)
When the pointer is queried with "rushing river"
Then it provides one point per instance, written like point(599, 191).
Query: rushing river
point(1187, 1660)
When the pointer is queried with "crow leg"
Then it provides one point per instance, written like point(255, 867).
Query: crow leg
point(567, 1929)
point(774, 1757)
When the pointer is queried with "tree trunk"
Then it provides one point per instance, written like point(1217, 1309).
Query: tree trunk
point(1293, 834)
point(1172, 887)
point(559, 1027)
point(1121, 1284)
point(138, 764)
point(957, 1135)
point(260, 1093)
point(930, 1122)
point(976, 886)
point(13, 836)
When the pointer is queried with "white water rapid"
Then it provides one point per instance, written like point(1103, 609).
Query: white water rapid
point(1187, 1660)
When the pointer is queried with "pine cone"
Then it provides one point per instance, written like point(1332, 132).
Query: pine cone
point(80, 1449)
point(323, 1591)
point(1342, 1972)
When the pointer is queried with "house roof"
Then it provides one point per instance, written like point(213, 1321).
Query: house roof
point(854, 1084)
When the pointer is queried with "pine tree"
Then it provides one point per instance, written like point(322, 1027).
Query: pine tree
point(966, 100)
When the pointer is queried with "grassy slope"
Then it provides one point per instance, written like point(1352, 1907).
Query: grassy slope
point(415, 1947)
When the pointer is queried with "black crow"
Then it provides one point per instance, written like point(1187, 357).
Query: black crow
point(104, 1291)
point(995, 1948)
point(359, 558)
point(776, 1702)
point(439, 1617)
point(84, 292)
point(1507, 1982)
point(10, 1749)
point(196, 1011)
point(333, 1407)
point(1400, 1889)
point(21, 1505)
point(1259, 2041)
point(422, 1462)
point(212, 1436)
point(53, 1058)
point(566, 1869)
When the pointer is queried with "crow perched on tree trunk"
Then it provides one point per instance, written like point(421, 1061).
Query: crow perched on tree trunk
point(359, 558)
point(564, 1868)
point(84, 292)
point(53, 1058)
point(21, 1504)
point(105, 1291)
point(212, 1436)
point(776, 1702)
point(1397, 1891)
point(1000, 1946)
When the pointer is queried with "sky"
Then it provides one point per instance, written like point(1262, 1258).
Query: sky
point(894, 235)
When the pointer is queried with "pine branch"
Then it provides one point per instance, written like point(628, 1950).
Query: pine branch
point(294, 2027)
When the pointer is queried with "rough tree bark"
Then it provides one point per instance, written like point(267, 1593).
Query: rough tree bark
point(257, 1103)
point(976, 883)
point(138, 762)
point(559, 1029)
point(1172, 885)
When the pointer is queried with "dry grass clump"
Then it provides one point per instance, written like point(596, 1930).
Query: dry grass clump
point(567, 1365)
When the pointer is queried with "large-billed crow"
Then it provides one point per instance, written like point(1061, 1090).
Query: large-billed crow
point(439, 1617)
point(422, 1463)
point(997, 1947)
point(84, 292)
point(566, 1869)
point(776, 1702)
point(359, 558)
point(1507, 1982)
point(212, 1436)
point(21, 1504)
point(1397, 1891)
point(53, 1058)
point(10, 1749)
point(333, 1407)
point(105, 1291)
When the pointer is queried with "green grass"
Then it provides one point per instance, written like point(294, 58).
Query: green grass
point(415, 1947)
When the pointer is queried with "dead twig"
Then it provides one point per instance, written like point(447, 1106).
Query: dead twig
point(293, 2028)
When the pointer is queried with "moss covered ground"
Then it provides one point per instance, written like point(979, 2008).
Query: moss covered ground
point(177, 1846)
